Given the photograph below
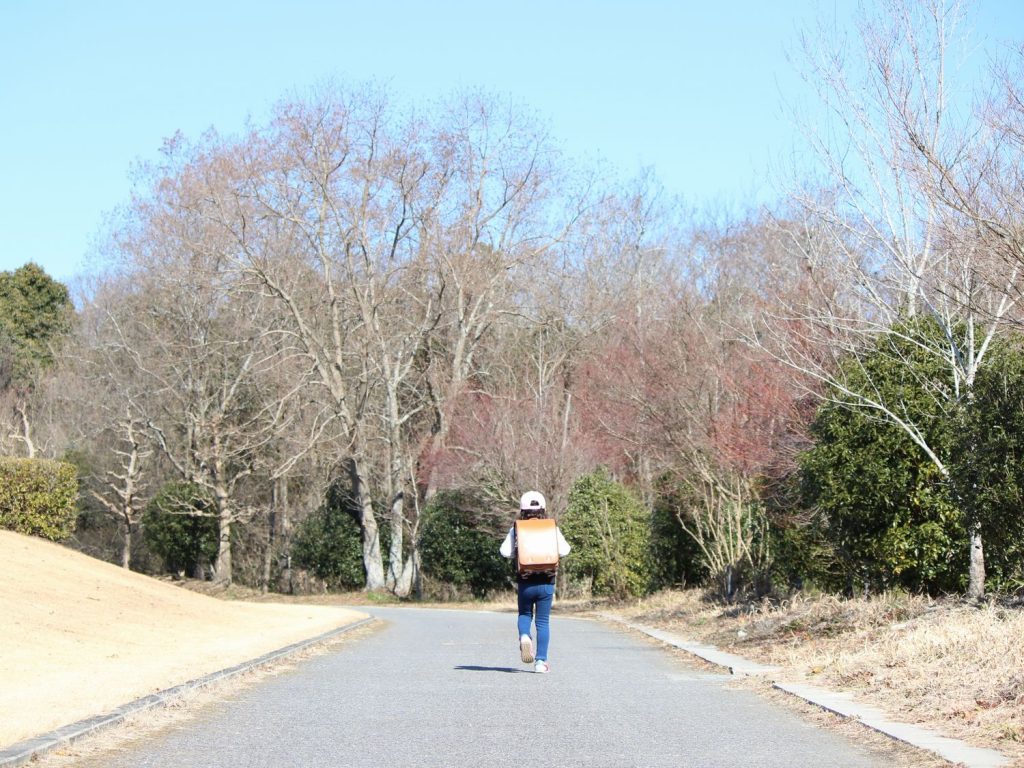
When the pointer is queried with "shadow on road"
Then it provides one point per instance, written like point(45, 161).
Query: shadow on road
point(489, 669)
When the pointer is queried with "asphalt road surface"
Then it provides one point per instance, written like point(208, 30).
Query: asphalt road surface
point(447, 688)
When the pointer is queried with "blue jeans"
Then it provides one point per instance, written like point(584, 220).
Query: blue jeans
point(539, 596)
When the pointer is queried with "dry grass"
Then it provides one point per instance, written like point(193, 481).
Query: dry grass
point(80, 637)
point(947, 665)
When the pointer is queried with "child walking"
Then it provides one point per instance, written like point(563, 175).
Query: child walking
point(536, 591)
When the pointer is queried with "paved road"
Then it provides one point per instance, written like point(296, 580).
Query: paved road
point(446, 688)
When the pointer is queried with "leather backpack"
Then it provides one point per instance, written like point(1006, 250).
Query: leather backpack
point(536, 547)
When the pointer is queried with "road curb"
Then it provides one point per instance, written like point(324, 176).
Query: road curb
point(23, 752)
point(842, 704)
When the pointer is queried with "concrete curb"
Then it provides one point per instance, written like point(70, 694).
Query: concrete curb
point(24, 752)
point(842, 704)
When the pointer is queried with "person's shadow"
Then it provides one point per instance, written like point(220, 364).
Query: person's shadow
point(471, 668)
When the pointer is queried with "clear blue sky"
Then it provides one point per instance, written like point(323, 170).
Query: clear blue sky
point(691, 89)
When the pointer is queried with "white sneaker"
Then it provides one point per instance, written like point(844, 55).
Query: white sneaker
point(526, 649)
point(542, 668)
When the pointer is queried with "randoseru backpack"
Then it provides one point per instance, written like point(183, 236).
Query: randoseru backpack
point(536, 547)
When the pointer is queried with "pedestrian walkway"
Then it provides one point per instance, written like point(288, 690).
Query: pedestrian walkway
point(447, 688)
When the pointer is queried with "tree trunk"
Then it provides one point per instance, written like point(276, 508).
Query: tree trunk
point(417, 573)
point(400, 568)
point(26, 429)
point(372, 562)
point(126, 549)
point(437, 445)
point(285, 537)
point(272, 523)
point(976, 582)
point(222, 569)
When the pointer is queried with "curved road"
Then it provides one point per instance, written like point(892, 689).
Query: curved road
point(446, 688)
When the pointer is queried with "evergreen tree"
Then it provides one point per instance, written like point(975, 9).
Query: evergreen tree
point(609, 530)
point(179, 525)
point(987, 468)
point(35, 314)
point(884, 506)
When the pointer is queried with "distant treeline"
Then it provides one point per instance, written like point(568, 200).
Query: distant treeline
point(332, 351)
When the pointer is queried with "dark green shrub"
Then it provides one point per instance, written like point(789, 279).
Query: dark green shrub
point(179, 525)
point(675, 556)
point(38, 497)
point(459, 545)
point(329, 544)
point(802, 556)
point(609, 530)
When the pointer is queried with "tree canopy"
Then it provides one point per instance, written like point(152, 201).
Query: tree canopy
point(35, 315)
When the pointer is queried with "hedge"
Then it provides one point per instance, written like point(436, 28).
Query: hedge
point(38, 497)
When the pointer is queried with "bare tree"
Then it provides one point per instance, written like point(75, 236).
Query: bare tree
point(320, 215)
point(675, 390)
point(21, 424)
point(724, 519)
point(976, 182)
point(501, 219)
point(389, 244)
point(121, 491)
point(198, 340)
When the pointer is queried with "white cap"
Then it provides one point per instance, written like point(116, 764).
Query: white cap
point(532, 500)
